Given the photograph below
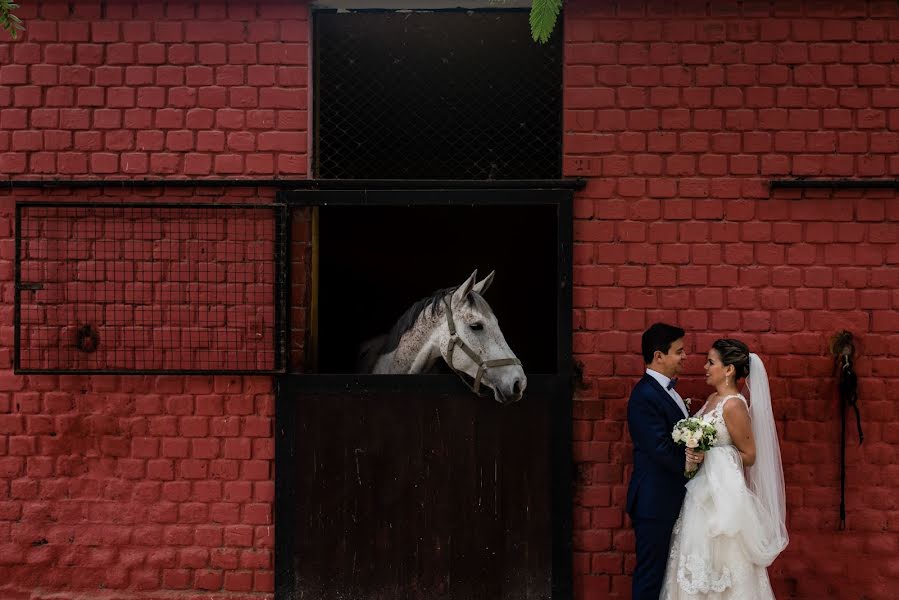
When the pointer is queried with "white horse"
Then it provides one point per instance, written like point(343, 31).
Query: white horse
point(457, 325)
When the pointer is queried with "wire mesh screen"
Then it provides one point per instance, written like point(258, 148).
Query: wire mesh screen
point(440, 95)
point(149, 288)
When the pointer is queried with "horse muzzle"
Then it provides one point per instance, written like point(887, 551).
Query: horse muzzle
point(510, 392)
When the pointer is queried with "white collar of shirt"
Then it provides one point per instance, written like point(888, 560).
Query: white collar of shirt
point(664, 381)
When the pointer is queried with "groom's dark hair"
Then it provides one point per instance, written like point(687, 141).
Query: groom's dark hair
point(659, 337)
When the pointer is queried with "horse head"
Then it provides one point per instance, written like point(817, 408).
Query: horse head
point(473, 345)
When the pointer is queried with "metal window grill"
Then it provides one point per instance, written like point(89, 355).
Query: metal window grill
point(435, 95)
point(149, 288)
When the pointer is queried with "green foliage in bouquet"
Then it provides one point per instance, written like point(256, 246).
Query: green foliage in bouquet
point(696, 434)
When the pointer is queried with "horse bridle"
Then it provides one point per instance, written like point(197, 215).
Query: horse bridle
point(483, 365)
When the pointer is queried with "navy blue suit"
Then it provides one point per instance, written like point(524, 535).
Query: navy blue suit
point(656, 491)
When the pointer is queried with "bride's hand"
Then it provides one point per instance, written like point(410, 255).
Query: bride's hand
point(694, 456)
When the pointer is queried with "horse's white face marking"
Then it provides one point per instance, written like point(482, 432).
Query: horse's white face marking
point(429, 340)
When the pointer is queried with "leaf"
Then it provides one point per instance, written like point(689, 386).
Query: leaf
point(8, 21)
point(544, 14)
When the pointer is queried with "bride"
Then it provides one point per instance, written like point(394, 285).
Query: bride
point(732, 524)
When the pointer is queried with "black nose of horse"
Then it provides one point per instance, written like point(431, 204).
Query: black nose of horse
point(516, 387)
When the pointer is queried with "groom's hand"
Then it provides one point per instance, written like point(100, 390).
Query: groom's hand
point(695, 457)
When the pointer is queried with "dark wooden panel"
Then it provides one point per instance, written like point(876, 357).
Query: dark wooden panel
point(410, 493)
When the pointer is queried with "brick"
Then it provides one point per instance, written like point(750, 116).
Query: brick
point(239, 581)
point(239, 448)
point(204, 448)
point(208, 580)
point(276, 97)
point(257, 514)
point(160, 469)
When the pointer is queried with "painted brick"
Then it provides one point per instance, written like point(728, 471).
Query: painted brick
point(675, 121)
point(802, 259)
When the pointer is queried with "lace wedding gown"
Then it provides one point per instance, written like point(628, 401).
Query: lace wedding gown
point(723, 540)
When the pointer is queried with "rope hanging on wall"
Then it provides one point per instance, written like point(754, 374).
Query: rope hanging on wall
point(843, 350)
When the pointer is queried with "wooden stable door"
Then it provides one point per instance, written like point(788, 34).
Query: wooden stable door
point(407, 487)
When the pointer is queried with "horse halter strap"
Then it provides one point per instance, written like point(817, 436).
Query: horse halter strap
point(483, 365)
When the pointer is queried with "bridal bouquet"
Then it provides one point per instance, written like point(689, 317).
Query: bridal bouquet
point(696, 434)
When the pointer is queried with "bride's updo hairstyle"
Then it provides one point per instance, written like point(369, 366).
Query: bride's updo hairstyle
point(733, 352)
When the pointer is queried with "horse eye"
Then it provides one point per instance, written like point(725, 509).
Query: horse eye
point(476, 326)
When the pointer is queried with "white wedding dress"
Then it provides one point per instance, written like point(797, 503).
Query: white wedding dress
point(725, 537)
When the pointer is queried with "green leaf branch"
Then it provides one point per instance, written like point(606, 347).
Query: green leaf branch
point(543, 17)
point(544, 14)
point(8, 21)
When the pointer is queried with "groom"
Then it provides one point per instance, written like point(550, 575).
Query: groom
point(656, 490)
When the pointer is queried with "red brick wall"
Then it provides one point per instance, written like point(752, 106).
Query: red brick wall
point(143, 486)
point(181, 88)
point(679, 114)
point(162, 486)
point(133, 483)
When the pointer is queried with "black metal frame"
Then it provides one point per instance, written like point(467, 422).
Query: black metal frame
point(299, 184)
point(836, 184)
point(558, 194)
point(281, 285)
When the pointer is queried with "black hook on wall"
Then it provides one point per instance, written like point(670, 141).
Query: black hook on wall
point(843, 349)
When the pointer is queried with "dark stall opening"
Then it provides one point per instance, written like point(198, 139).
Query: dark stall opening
point(375, 261)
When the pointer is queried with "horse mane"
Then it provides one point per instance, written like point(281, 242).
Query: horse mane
point(371, 350)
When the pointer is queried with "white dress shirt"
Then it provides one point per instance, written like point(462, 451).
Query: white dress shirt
point(664, 381)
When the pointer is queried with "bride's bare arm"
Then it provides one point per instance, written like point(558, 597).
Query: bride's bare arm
point(736, 416)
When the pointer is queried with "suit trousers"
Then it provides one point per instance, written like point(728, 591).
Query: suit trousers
point(653, 537)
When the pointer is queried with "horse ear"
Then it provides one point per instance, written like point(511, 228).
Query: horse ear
point(481, 286)
point(463, 290)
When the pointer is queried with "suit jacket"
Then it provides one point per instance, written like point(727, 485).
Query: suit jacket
point(656, 489)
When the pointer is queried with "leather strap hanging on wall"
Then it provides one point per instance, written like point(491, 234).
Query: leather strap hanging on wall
point(843, 350)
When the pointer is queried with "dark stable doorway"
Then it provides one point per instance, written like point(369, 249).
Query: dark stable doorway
point(435, 95)
point(375, 261)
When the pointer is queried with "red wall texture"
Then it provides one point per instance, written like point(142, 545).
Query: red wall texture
point(677, 113)
point(143, 486)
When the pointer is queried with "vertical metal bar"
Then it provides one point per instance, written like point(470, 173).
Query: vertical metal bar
point(312, 354)
point(286, 432)
point(565, 278)
point(562, 501)
point(278, 260)
point(17, 302)
point(316, 97)
point(288, 299)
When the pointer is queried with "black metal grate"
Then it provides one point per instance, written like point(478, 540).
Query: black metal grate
point(441, 95)
point(149, 288)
